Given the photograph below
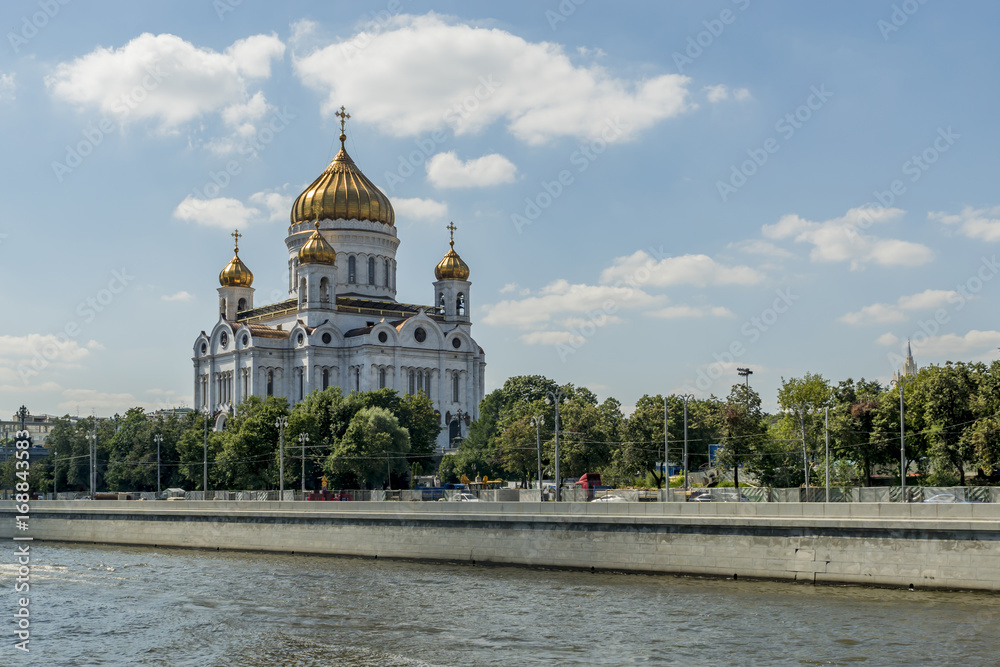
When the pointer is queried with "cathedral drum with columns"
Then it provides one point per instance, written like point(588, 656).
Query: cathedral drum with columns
point(341, 325)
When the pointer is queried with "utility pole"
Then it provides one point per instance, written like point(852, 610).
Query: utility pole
point(537, 422)
point(303, 438)
point(805, 455)
point(556, 397)
point(281, 423)
point(93, 460)
point(827, 433)
point(55, 475)
point(205, 481)
point(666, 453)
point(687, 483)
point(159, 439)
point(745, 373)
point(902, 443)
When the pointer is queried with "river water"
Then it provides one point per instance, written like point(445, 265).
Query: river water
point(103, 605)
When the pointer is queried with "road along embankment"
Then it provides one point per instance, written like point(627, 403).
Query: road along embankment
point(882, 544)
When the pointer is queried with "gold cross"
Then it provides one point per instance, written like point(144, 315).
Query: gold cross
point(451, 227)
point(237, 236)
point(343, 115)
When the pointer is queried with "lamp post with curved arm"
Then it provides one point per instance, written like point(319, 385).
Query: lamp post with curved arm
point(555, 398)
point(686, 398)
point(280, 423)
point(537, 422)
point(303, 438)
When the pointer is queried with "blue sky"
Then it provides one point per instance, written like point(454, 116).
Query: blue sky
point(649, 194)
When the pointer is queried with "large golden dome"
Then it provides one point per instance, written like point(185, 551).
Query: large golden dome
point(236, 273)
point(451, 266)
point(317, 250)
point(342, 192)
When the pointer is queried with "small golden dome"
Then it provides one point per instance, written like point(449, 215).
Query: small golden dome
point(317, 250)
point(451, 266)
point(236, 273)
point(342, 192)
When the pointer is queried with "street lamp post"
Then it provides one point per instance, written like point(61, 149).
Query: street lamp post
point(745, 373)
point(159, 439)
point(303, 438)
point(537, 422)
point(556, 397)
point(93, 460)
point(205, 471)
point(666, 453)
point(281, 423)
point(805, 457)
point(686, 398)
point(55, 475)
point(826, 431)
point(902, 442)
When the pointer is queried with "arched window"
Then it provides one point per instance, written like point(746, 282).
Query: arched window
point(412, 387)
point(441, 301)
point(352, 269)
point(222, 307)
point(357, 379)
point(302, 292)
point(270, 383)
point(454, 387)
point(427, 383)
point(460, 304)
point(371, 270)
point(387, 273)
point(241, 305)
point(381, 378)
point(326, 378)
point(324, 290)
point(454, 431)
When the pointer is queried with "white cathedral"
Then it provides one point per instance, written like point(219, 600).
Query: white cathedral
point(341, 325)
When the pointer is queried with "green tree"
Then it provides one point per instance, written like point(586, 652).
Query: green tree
point(803, 402)
point(373, 447)
point(743, 432)
point(943, 395)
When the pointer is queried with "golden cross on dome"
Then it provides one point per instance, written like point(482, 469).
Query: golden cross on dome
point(236, 238)
point(451, 227)
point(343, 117)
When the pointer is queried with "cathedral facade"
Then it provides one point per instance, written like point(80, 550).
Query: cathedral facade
point(341, 325)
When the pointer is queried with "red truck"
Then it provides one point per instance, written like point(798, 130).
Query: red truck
point(590, 482)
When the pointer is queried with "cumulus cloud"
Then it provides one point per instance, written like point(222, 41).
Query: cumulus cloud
point(179, 296)
point(688, 312)
point(561, 299)
point(168, 81)
point(221, 212)
point(8, 84)
point(49, 347)
point(419, 209)
point(763, 248)
point(976, 345)
point(975, 223)
point(699, 270)
point(721, 93)
point(226, 212)
point(446, 170)
point(883, 313)
point(887, 339)
point(445, 73)
point(844, 239)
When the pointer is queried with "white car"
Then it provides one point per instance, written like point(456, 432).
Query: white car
point(465, 498)
point(609, 499)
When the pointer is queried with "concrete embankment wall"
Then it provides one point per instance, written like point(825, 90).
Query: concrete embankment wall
point(924, 545)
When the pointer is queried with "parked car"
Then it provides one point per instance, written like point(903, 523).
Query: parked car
point(463, 497)
point(609, 499)
point(944, 498)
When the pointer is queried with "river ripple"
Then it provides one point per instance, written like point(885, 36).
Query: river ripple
point(102, 605)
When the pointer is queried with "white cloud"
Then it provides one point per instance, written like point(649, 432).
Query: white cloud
point(91, 400)
point(552, 338)
point(561, 298)
point(447, 73)
point(758, 247)
point(277, 204)
point(975, 223)
point(844, 239)
point(976, 345)
point(8, 84)
point(685, 312)
point(640, 268)
point(509, 287)
point(741, 94)
point(167, 80)
point(221, 212)
point(179, 296)
point(446, 170)
point(887, 339)
point(717, 93)
point(48, 347)
point(419, 209)
point(884, 313)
